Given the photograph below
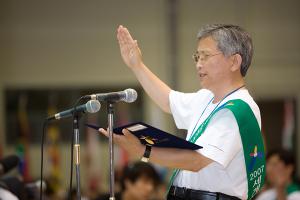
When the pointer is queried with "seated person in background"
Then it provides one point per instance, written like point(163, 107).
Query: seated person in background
point(280, 177)
point(138, 182)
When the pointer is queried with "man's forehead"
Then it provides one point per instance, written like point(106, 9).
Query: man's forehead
point(206, 44)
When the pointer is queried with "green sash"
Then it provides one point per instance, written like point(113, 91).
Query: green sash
point(251, 139)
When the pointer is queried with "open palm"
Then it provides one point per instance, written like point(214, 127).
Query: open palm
point(130, 51)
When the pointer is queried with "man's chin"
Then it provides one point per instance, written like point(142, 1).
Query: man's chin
point(203, 85)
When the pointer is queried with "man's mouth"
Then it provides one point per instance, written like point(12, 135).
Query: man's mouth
point(201, 75)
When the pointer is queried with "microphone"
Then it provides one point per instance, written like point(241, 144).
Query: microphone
point(8, 163)
point(91, 106)
point(129, 95)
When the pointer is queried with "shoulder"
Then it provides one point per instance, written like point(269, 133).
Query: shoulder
point(245, 96)
point(201, 92)
point(200, 95)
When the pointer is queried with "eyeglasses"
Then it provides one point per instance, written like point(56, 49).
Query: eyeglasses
point(203, 56)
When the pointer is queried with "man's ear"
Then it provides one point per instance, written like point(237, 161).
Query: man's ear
point(236, 62)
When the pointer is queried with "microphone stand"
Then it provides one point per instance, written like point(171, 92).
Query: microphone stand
point(77, 153)
point(110, 112)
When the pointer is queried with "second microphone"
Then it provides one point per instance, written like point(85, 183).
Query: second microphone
point(129, 95)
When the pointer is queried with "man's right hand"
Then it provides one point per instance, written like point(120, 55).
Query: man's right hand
point(130, 51)
point(132, 56)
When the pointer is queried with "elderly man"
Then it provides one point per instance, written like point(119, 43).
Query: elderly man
point(221, 117)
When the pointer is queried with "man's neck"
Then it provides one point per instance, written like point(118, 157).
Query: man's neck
point(224, 89)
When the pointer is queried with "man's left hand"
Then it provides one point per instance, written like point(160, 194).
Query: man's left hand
point(128, 142)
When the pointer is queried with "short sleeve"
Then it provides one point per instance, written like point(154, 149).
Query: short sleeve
point(221, 140)
point(183, 106)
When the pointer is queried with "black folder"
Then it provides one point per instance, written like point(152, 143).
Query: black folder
point(153, 136)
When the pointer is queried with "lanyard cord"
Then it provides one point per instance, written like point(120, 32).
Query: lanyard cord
point(230, 93)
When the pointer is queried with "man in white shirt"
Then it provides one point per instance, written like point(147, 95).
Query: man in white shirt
point(217, 171)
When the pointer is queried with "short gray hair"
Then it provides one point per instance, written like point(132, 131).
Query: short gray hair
point(231, 39)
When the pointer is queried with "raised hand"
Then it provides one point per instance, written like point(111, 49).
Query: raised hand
point(132, 56)
point(130, 51)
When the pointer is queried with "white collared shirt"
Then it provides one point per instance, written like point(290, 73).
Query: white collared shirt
point(221, 142)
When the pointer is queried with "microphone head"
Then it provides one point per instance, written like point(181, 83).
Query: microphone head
point(9, 162)
point(93, 106)
point(131, 95)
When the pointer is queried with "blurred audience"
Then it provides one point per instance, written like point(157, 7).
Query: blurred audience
point(11, 187)
point(138, 182)
point(281, 182)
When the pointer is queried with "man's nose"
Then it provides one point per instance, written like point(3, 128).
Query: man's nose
point(199, 64)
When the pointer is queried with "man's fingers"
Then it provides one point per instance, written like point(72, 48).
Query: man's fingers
point(120, 35)
point(120, 38)
point(124, 42)
point(103, 131)
point(125, 35)
point(116, 137)
point(127, 133)
point(125, 39)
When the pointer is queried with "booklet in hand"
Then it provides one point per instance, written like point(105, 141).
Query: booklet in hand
point(152, 136)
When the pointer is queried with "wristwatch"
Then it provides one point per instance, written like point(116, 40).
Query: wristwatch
point(146, 155)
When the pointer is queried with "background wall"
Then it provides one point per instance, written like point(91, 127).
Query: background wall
point(59, 44)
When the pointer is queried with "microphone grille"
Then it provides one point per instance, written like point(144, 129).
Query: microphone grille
point(131, 95)
point(93, 106)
